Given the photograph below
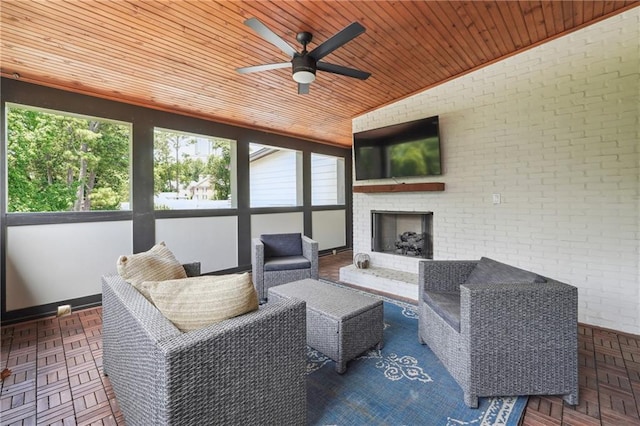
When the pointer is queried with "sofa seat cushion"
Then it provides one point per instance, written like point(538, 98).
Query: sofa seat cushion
point(446, 304)
point(281, 245)
point(196, 302)
point(156, 264)
point(489, 271)
point(286, 263)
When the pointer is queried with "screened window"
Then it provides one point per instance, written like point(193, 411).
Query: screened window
point(193, 171)
point(327, 180)
point(61, 162)
point(275, 176)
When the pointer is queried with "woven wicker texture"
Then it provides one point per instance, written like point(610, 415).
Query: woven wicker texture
point(514, 339)
point(341, 323)
point(245, 370)
point(263, 280)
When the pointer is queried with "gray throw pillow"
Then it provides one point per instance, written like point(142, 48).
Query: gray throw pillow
point(279, 245)
point(489, 271)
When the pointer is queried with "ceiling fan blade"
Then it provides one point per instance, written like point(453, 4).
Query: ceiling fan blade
point(303, 89)
point(339, 69)
point(341, 37)
point(265, 67)
point(270, 36)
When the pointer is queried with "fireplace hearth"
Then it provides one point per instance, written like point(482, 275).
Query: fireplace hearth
point(402, 233)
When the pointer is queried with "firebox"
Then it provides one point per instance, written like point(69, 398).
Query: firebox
point(402, 233)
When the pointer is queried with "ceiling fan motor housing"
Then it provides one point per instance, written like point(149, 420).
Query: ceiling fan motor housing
point(303, 63)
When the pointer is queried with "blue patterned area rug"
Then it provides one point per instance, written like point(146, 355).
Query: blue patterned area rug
point(402, 384)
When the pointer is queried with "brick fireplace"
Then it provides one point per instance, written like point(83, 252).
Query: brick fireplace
point(395, 241)
point(402, 233)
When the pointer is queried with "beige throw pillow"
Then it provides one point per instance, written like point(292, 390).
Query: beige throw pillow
point(197, 302)
point(156, 264)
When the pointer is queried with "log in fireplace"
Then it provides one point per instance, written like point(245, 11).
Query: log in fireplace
point(402, 233)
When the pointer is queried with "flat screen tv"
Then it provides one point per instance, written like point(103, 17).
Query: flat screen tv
point(409, 149)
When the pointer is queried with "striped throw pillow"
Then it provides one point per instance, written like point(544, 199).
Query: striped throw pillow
point(156, 264)
point(194, 303)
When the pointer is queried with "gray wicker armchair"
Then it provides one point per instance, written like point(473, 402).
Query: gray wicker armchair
point(500, 339)
point(281, 258)
point(224, 374)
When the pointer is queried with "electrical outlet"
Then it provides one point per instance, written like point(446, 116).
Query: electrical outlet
point(64, 310)
point(496, 199)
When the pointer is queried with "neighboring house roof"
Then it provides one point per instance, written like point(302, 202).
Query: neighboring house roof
point(262, 152)
point(203, 182)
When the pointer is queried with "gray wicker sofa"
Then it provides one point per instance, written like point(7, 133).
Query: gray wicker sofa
point(500, 330)
point(245, 370)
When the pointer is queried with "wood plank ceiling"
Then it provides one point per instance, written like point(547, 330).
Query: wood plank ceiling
point(181, 56)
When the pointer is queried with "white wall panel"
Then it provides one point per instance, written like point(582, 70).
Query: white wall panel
point(52, 263)
point(213, 241)
point(276, 223)
point(329, 228)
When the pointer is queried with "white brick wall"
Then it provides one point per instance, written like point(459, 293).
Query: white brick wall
point(555, 131)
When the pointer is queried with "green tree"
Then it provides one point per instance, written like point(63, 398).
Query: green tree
point(192, 169)
point(162, 164)
point(171, 162)
point(55, 162)
point(168, 172)
point(219, 168)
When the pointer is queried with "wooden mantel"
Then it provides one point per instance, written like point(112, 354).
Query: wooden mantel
point(400, 187)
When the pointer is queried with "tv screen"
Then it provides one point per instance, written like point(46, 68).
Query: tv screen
point(402, 150)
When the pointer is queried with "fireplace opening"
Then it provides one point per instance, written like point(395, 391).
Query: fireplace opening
point(402, 233)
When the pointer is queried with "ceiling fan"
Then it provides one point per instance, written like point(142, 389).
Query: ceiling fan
point(305, 64)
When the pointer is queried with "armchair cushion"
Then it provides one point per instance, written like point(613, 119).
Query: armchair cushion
point(156, 264)
point(446, 304)
point(282, 245)
point(194, 303)
point(286, 263)
point(489, 271)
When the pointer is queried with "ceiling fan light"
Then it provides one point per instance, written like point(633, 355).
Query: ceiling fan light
point(304, 77)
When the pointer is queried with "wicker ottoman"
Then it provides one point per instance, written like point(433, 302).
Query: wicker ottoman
point(341, 323)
